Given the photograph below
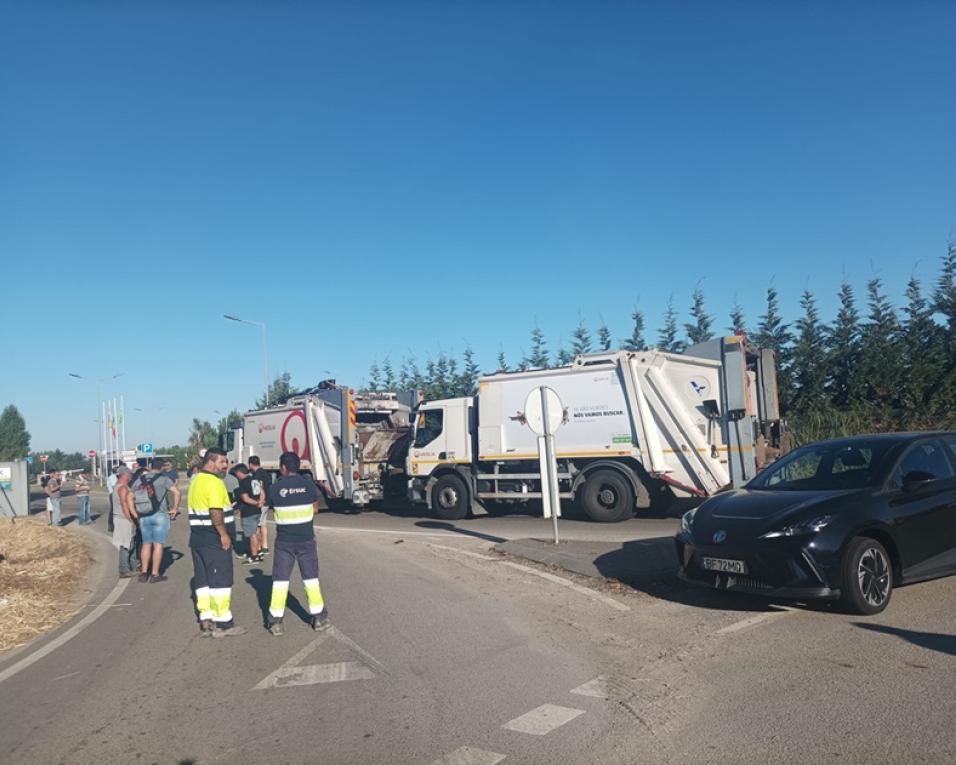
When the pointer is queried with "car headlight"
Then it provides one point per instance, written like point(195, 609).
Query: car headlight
point(811, 526)
point(687, 521)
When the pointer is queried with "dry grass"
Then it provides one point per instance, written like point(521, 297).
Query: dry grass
point(41, 568)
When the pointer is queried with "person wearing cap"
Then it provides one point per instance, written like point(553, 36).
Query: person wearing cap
point(247, 496)
point(124, 523)
point(211, 529)
point(295, 500)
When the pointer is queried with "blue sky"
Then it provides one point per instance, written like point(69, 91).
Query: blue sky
point(376, 178)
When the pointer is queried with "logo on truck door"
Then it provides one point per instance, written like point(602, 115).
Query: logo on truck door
point(294, 436)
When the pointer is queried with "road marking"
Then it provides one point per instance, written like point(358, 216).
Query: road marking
point(63, 677)
point(596, 688)
point(560, 580)
point(292, 673)
point(467, 755)
point(751, 621)
point(435, 535)
point(71, 633)
point(543, 720)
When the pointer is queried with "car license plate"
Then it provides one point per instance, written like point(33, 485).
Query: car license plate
point(722, 564)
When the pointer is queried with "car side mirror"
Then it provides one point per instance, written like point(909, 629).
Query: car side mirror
point(443, 455)
point(917, 479)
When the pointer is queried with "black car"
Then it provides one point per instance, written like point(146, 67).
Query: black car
point(846, 519)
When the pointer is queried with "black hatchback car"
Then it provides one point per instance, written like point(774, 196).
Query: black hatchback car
point(847, 519)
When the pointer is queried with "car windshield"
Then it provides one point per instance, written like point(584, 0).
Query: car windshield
point(827, 467)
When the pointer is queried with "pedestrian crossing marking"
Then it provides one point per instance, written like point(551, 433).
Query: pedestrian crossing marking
point(543, 720)
point(467, 755)
point(596, 688)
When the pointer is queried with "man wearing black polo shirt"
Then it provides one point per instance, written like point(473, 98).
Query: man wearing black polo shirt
point(294, 499)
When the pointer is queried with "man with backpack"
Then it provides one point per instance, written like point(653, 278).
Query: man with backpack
point(150, 490)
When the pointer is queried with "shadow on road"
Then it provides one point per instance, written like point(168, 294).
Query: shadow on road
point(933, 641)
point(262, 584)
point(444, 526)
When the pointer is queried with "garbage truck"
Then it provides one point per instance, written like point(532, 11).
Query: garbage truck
point(640, 429)
point(352, 443)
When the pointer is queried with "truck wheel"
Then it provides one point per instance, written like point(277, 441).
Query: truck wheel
point(450, 498)
point(607, 497)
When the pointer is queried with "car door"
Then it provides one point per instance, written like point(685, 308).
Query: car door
point(922, 514)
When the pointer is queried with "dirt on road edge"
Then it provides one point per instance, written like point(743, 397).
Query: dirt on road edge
point(41, 569)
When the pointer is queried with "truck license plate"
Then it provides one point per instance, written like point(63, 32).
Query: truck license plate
point(722, 564)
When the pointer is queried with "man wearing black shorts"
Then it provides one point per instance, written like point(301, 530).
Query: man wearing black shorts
point(294, 499)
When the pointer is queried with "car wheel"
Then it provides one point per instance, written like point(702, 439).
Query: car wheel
point(450, 498)
point(867, 576)
point(607, 497)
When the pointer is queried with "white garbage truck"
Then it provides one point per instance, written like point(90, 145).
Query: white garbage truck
point(352, 443)
point(639, 429)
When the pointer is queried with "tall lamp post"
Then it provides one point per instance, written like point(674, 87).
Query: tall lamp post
point(265, 353)
point(99, 398)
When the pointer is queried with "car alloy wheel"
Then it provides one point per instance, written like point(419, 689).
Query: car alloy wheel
point(873, 574)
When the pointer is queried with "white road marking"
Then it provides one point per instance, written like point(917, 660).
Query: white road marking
point(63, 677)
point(434, 535)
point(751, 621)
point(596, 688)
point(543, 720)
point(71, 633)
point(586, 591)
point(467, 755)
point(292, 673)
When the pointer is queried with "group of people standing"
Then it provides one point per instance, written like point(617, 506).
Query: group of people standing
point(212, 524)
point(53, 488)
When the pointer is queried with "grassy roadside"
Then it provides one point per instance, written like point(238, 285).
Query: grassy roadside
point(41, 568)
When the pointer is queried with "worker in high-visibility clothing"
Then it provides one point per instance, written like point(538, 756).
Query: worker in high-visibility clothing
point(211, 529)
point(294, 499)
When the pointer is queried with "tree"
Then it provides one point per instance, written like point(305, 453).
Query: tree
point(636, 341)
point(374, 376)
point(738, 324)
point(202, 435)
point(388, 374)
point(774, 334)
point(468, 380)
point(879, 347)
point(699, 330)
point(922, 361)
point(809, 359)
point(502, 362)
point(580, 339)
point(604, 336)
point(667, 336)
point(279, 390)
point(14, 438)
point(227, 423)
point(843, 346)
point(539, 354)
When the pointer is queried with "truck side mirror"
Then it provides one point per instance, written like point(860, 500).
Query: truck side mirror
point(711, 410)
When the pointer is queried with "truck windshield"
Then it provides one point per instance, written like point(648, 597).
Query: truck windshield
point(428, 427)
point(827, 467)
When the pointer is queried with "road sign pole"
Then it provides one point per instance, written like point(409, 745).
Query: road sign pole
point(550, 473)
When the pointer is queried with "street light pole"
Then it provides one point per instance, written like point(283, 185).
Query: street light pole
point(265, 350)
point(99, 399)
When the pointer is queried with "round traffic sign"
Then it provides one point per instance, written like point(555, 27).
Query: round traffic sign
point(91, 453)
point(543, 405)
point(44, 457)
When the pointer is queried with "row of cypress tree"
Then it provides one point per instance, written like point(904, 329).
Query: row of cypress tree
point(874, 367)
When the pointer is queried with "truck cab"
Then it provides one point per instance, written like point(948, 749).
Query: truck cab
point(441, 442)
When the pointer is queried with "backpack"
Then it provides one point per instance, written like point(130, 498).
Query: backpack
point(146, 485)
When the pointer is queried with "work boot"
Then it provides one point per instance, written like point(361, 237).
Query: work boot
point(275, 627)
point(321, 622)
point(207, 629)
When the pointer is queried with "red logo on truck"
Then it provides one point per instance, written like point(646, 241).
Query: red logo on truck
point(294, 435)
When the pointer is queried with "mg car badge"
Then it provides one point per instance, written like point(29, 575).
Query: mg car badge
point(720, 536)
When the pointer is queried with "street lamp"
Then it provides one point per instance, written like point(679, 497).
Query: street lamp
point(265, 353)
point(99, 398)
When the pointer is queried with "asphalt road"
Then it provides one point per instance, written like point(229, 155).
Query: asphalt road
point(445, 652)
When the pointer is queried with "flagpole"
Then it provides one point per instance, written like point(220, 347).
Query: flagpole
point(123, 421)
point(104, 441)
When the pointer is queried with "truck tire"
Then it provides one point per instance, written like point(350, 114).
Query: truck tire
point(450, 498)
point(607, 497)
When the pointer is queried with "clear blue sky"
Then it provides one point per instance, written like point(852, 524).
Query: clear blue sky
point(395, 177)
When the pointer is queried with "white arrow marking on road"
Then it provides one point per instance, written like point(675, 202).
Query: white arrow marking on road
point(291, 673)
point(543, 720)
point(468, 755)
